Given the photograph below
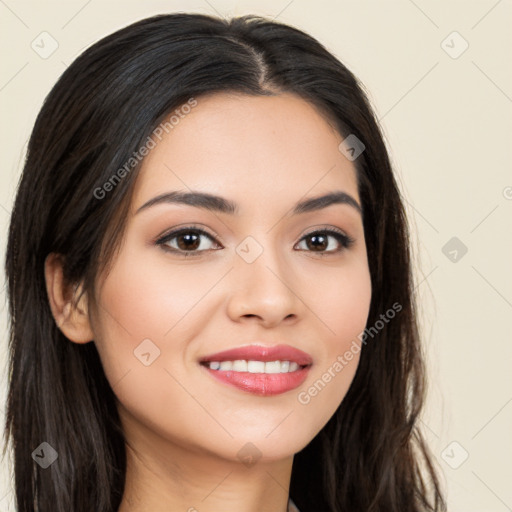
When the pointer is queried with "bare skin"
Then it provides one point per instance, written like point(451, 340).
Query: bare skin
point(184, 429)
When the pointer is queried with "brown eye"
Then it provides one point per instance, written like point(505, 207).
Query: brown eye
point(185, 241)
point(319, 241)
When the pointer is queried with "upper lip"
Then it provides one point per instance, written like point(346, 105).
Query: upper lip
point(262, 353)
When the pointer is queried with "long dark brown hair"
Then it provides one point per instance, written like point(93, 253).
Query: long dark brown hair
point(370, 456)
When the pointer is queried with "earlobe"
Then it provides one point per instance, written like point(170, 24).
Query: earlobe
point(73, 320)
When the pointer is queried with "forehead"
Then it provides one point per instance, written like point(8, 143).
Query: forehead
point(253, 149)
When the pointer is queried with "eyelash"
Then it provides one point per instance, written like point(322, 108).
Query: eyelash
point(345, 241)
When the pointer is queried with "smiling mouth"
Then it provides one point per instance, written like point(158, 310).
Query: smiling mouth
point(259, 369)
point(258, 377)
point(255, 366)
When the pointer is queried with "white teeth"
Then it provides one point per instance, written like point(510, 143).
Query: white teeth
point(241, 365)
point(255, 366)
point(273, 367)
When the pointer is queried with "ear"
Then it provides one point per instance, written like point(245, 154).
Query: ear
point(72, 320)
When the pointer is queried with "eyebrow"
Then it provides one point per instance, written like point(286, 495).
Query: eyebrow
point(219, 204)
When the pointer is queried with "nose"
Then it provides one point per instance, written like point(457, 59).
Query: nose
point(265, 289)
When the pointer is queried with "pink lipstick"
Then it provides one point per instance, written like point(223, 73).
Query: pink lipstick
point(258, 369)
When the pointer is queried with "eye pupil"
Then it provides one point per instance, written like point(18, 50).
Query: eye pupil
point(188, 237)
point(315, 238)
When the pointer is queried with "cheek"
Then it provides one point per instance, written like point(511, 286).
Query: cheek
point(140, 300)
point(343, 313)
point(141, 329)
point(136, 309)
point(342, 305)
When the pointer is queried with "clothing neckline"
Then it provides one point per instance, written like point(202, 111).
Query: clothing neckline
point(291, 506)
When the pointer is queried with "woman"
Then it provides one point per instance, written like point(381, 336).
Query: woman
point(210, 285)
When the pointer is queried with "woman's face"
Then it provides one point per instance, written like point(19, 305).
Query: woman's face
point(263, 276)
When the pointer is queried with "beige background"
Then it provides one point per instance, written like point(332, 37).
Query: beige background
point(447, 119)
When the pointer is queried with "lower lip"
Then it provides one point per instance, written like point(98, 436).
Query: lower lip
point(263, 384)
